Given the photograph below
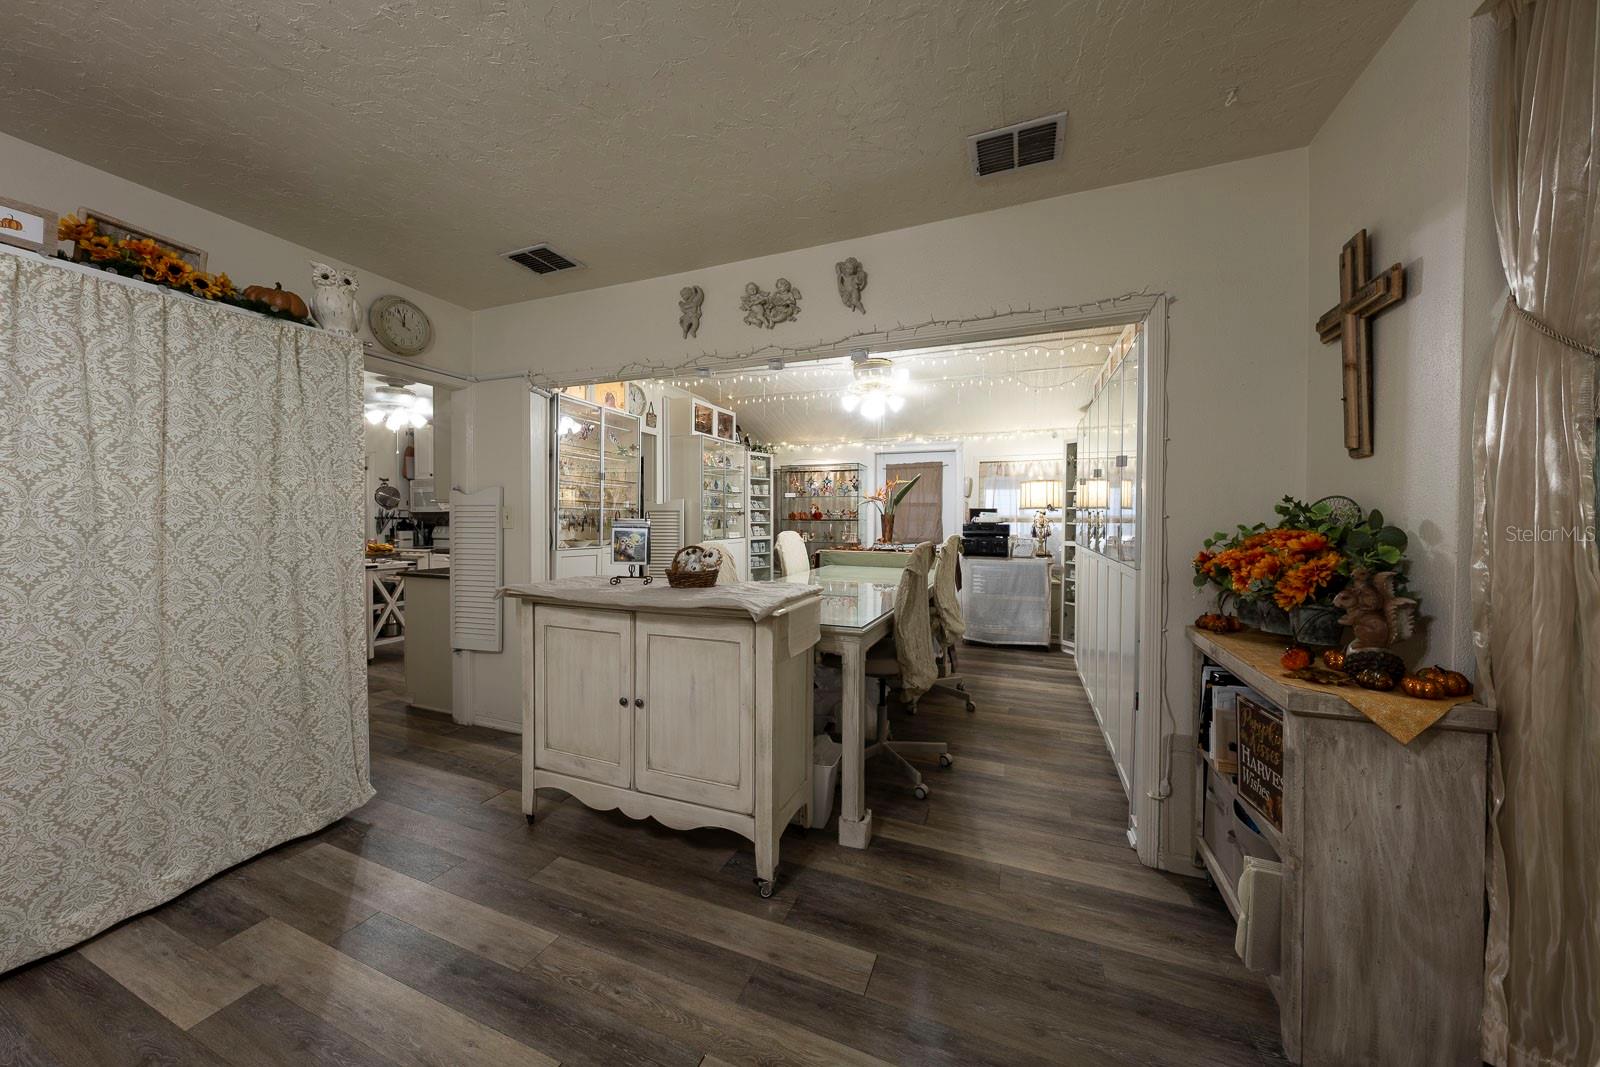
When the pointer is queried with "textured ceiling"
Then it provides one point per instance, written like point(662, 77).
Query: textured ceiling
point(645, 137)
point(1032, 383)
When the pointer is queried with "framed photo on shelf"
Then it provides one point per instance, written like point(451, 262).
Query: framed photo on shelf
point(26, 226)
point(630, 542)
point(118, 230)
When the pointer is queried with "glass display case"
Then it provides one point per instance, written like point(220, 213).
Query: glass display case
point(1107, 480)
point(599, 470)
point(822, 504)
point(760, 516)
point(722, 481)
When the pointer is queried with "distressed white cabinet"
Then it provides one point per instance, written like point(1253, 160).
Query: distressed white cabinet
point(691, 717)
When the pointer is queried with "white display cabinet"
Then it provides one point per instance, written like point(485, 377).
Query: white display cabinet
point(759, 518)
point(598, 477)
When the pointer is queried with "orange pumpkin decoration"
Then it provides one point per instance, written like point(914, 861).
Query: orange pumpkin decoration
point(1375, 679)
point(1295, 658)
point(1453, 683)
point(1423, 688)
point(279, 299)
point(1333, 659)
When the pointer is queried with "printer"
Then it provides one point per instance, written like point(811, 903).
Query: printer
point(985, 539)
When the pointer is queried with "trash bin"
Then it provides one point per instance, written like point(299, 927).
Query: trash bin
point(825, 756)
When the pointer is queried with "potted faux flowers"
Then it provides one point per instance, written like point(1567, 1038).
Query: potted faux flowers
point(1284, 577)
point(888, 497)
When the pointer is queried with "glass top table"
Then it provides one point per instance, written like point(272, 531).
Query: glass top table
point(854, 599)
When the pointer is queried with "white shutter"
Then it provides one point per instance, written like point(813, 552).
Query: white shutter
point(666, 535)
point(477, 569)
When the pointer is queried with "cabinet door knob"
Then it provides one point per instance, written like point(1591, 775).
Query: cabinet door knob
point(638, 702)
point(622, 702)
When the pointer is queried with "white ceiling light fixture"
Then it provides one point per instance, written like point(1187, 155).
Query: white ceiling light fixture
point(397, 408)
point(875, 386)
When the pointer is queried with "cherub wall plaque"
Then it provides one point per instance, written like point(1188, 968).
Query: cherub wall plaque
point(766, 309)
point(852, 278)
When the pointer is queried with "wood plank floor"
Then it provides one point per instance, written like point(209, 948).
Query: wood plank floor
point(1002, 921)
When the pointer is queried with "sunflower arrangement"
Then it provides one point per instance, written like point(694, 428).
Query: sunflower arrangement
point(1305, 559)
point(144, 258)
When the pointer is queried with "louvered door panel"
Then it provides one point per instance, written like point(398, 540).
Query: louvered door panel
point(666, 535)
point(477, 569)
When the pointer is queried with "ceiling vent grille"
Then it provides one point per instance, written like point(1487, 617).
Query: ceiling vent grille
point(542, 259)
point(1022, 145)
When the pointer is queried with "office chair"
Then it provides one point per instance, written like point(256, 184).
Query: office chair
point(907, 661)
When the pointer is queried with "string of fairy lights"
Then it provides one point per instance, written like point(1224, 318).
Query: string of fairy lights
point(1035, 369)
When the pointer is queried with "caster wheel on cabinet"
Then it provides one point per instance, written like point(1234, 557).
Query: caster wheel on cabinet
point(971, 707)
point(530, 820)
point(946, 760)
point(921, 792)
point(764, 886)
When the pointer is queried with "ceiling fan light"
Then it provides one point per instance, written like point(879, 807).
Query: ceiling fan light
point(396, 420)
point(896, 403)
point(374, 415)
point(872, 407)
point(849, 401)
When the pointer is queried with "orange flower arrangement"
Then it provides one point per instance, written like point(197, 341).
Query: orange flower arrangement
point(145, 259)
point(1293, 566)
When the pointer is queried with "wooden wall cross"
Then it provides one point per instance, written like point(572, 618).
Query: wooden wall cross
point(1361, 297)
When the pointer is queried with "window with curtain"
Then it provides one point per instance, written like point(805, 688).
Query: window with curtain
point(920, 516)
point(1016, 488)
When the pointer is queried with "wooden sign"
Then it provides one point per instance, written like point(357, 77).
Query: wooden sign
point(1361, 297)
point(1261, 760)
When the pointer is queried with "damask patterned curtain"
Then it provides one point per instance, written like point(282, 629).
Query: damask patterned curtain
point(182, 668)
point(1536, 571)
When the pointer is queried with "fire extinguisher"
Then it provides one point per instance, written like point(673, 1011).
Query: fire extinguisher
point(408, 463)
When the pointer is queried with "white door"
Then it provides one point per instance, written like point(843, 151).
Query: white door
point(583, 668)
point(694, 716)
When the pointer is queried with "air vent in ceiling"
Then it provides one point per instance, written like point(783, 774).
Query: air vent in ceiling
point(542, 259)
point(1022, 145)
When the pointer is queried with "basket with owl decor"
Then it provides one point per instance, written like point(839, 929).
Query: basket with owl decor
point(695, 567)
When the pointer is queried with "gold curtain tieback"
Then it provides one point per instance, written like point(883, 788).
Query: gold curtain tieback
point(1551, 332)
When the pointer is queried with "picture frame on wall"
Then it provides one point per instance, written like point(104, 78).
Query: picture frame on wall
point(118, 230)
point(24, 225)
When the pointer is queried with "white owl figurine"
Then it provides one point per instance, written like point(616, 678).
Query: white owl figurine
point(333, 300)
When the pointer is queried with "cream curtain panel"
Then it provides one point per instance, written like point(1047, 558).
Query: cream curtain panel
point(1536, 574)
point(182, 669)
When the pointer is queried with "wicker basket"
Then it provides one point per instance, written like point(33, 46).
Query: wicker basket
point(704, 576)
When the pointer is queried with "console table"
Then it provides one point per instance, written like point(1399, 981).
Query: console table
point(1381, 936)
point(688, 706)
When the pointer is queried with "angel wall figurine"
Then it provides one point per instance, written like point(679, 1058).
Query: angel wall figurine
point(765, 309)
point(690, 299)
point(852, 277)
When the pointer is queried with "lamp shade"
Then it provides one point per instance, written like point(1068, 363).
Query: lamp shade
point(1043, 493)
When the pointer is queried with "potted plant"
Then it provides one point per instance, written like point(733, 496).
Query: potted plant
point(888, 497)
point(1284, 577)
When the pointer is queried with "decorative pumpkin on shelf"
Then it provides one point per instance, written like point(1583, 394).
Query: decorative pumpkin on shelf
point(279, 299)
point(1372, 678)
point(1295, 658)
point(1451, 683)
point(1421, 688)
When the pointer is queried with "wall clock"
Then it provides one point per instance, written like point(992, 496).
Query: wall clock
point(400, 326)
point(636, 399)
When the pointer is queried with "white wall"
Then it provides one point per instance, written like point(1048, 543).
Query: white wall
point(249, 256)
point(1397, 157)
point(1226, 243)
